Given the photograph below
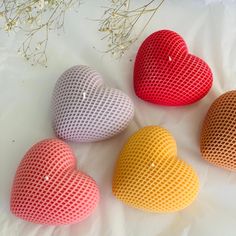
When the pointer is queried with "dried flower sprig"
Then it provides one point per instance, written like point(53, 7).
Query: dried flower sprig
point(36, 18)
point(118, 24)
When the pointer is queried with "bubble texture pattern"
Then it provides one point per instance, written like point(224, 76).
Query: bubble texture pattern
point(149, 176)
point(48, 189)
point(85, 110)
point(218, 135)
point(166, 74)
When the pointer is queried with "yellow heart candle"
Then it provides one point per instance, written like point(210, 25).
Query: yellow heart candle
point(149, 175)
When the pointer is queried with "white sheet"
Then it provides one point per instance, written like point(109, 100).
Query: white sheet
point(25, 91)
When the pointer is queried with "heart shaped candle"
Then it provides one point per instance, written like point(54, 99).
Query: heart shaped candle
point(85, 109)
point(150, 176)
point(48, 189)
point(218, 135)
point(166, 73)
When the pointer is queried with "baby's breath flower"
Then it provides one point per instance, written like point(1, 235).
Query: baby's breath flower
point(36, 18)
point(118, 23)
point(10, 25)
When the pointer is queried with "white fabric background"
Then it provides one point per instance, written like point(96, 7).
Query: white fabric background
point(210, 31)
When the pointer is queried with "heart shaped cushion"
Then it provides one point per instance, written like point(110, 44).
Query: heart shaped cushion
point(218, 135)
point(166, 74)
point(85, 110)
point(48, 189)
point(149, 175)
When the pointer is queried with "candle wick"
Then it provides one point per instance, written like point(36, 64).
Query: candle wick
point(46, 178)
point(84, 95)
point(152, 165)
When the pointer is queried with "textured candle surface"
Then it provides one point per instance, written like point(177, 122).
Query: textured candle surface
point(149, 175)
point(218, 135)
point(166, 73)
point(48, 189)
point(85, 110)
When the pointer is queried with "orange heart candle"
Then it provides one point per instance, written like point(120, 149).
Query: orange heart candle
point(218, 135)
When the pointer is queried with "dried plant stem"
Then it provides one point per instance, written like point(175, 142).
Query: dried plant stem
point(119, 21)
point(36, 18)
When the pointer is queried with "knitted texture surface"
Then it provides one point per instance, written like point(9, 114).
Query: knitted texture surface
point(48, 189)
point(85, 110)
point(149, 176)
point(218, 135)
point(166, 74)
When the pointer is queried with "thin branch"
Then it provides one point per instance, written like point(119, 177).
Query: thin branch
point(35, 18)
point(119, 21)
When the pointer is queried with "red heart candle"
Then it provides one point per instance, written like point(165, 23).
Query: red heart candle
point(48, 189)
point(166, 73)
